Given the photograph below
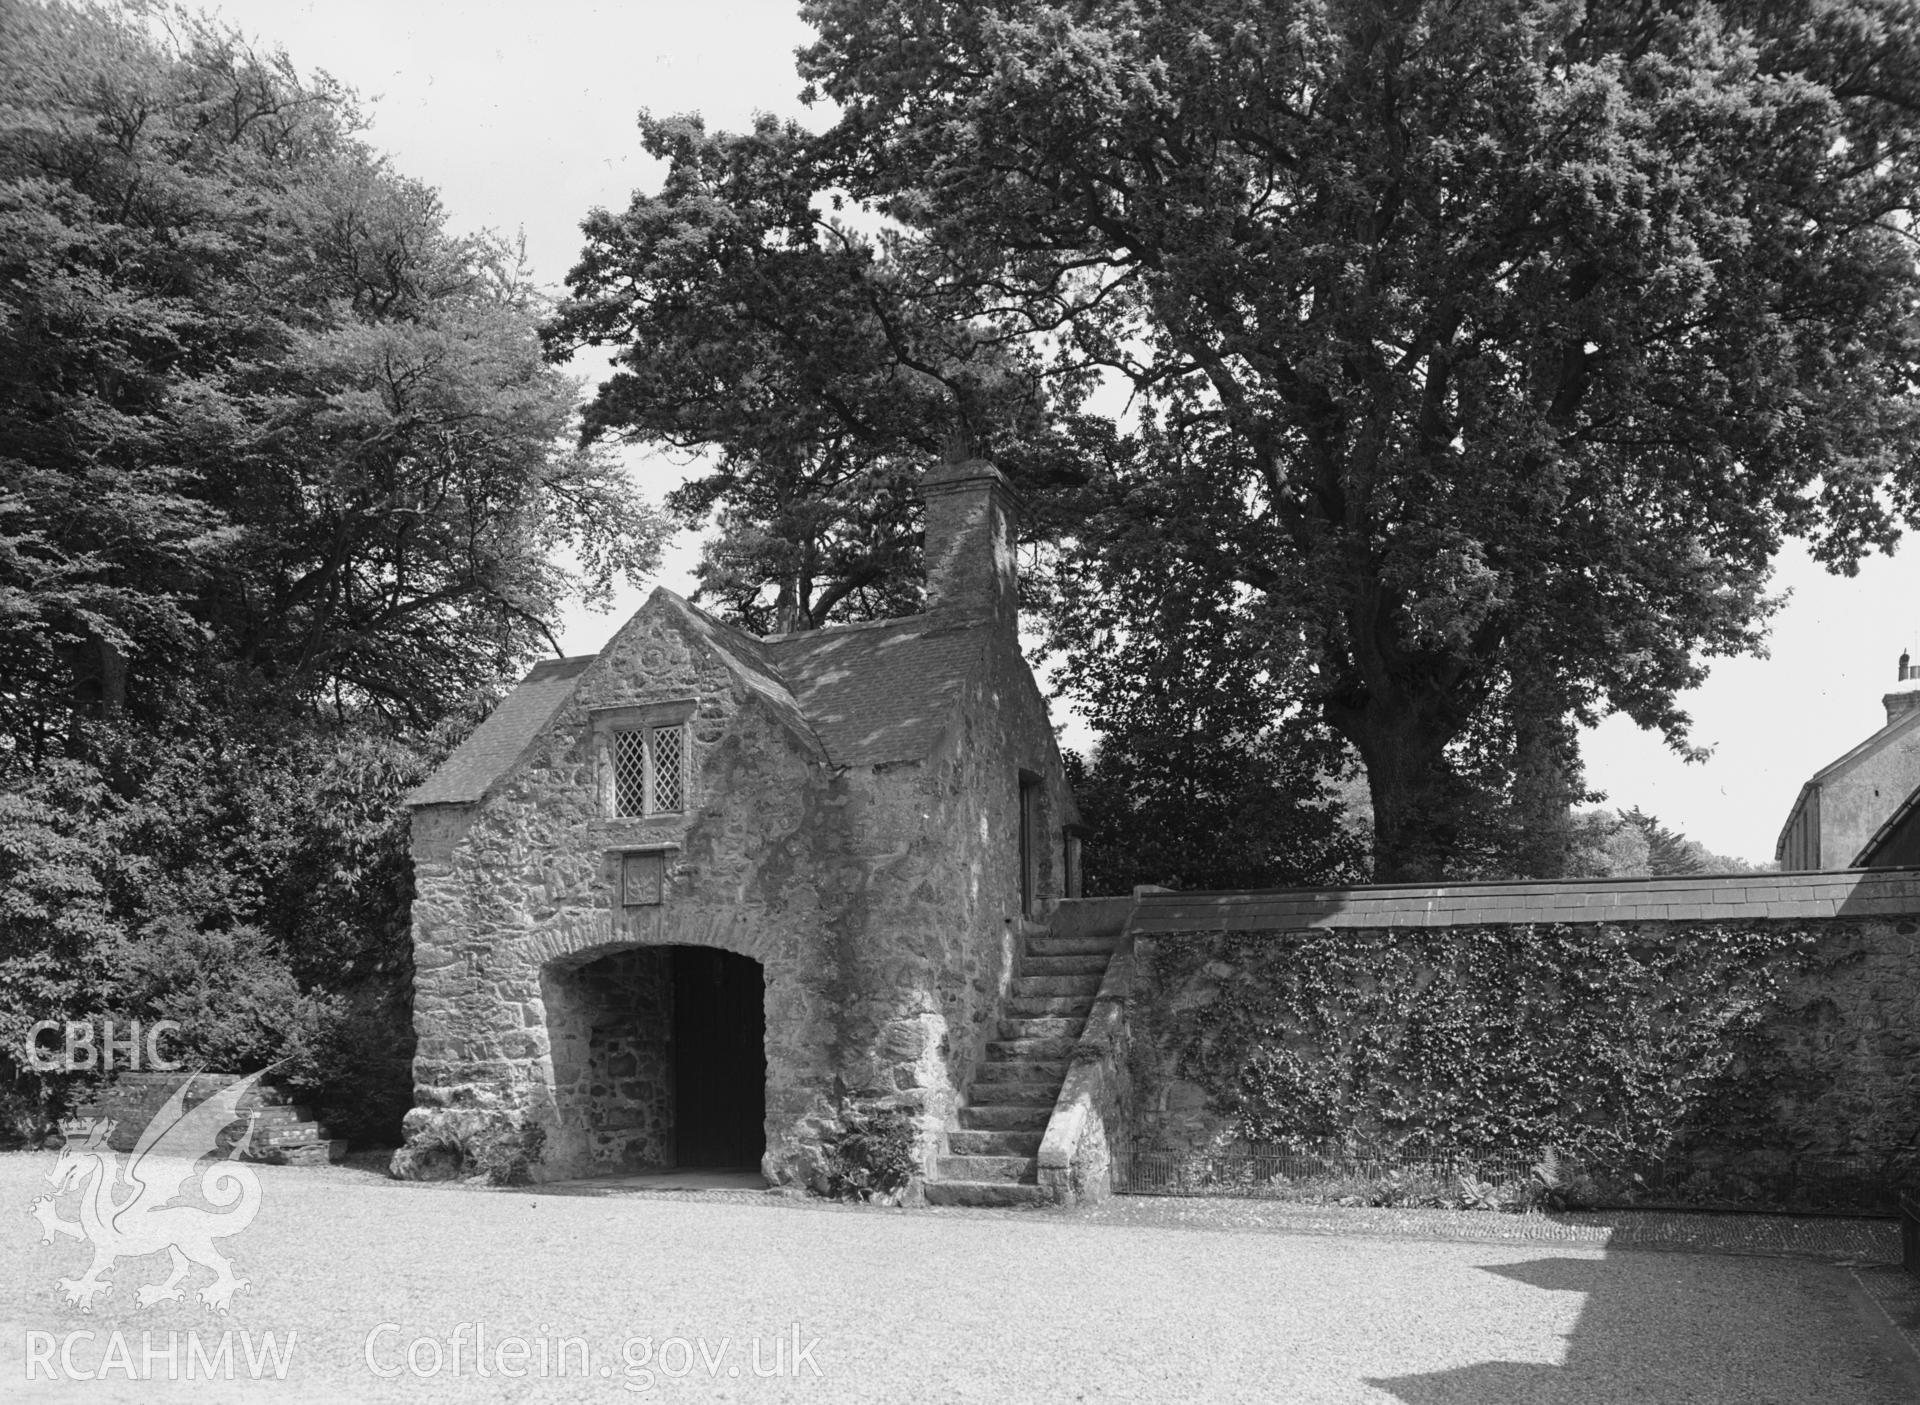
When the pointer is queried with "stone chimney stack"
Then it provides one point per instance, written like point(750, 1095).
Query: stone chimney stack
point(1905, 696)
point(972, 517)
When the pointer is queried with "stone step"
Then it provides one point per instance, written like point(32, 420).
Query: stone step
point(272, 1120)
point(1084, 987)
point(153, 1089)
point(1094, 964)
point(1064, 1006)
point(1010, 1117)
point(317, 1154)
point(1042, 1027)
point(287, 1142)
point(1034, 1094)
point(1019, 1170)
point(1097, 916)
point(1071, 944)
point(276, 1116)
point(1017, 1049)
point(994, 1142)
point(986, 1193)
point(1048, 1072)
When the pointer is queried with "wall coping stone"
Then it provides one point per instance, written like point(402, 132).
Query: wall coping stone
point(1858, 892)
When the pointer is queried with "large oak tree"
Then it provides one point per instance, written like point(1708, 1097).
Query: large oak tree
point(1481, 356)
point(1523, 332)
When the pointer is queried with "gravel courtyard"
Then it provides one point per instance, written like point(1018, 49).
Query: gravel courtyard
point(727, 1297)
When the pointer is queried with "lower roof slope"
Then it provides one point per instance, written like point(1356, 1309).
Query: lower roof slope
point(879, 692)
point(496, 743)
point(873, 693)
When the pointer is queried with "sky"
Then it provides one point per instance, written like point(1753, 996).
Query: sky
point(523, 116)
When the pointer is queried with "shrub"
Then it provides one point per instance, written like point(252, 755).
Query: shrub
point(872, 1155)
point(247, 878)
point(499, 1146)
point(506, 1155)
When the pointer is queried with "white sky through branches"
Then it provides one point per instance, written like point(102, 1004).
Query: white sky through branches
point(523, 116)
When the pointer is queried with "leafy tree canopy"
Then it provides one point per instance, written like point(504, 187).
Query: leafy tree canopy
point(1482, 355)
point(824, 367)
point(263, 415)
point(1521, 334)
point(283, 476)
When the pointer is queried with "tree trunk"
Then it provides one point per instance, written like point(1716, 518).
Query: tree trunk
point(1417, 798)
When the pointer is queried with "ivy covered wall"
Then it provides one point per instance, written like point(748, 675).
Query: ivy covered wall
point(1608, 1040)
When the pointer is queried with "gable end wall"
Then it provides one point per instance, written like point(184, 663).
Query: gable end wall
point(881, 901)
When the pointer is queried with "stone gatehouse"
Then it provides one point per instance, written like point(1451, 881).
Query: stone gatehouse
point(690, 900)
point(685, 901)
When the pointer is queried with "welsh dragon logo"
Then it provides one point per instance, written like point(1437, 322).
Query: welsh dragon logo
point(135, 1205)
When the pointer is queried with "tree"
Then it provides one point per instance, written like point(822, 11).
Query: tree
point(824, 367)
point(263, 416)
point(1151, 626)
point(1203, 788)
point(283, 474)
point(1520, 335)
point(1630, 843)
point(831, 538)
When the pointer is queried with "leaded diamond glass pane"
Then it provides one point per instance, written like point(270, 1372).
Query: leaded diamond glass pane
point(629, 773)
point(667, 788)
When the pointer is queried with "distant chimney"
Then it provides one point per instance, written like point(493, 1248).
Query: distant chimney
point(972, 517)
point(1906, 695)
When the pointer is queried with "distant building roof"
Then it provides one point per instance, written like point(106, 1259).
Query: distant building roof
point(872, 693)
point(496, 743)
point(1896, 842)
point(1895, 729)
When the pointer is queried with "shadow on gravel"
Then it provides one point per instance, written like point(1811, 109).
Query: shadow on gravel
point(1516, 1382)
point(1630, 1334)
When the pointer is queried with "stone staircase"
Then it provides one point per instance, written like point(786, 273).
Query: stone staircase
point(992, 1158)
point(284, 1132)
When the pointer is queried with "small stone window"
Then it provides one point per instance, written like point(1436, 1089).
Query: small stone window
point(649, 771)
point(642, 757)
point(667, 750)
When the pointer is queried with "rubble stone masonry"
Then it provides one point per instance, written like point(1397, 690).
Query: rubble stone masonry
point(1840, 1045)
point(877, 899)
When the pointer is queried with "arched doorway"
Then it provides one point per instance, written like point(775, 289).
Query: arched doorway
point(659, 1059)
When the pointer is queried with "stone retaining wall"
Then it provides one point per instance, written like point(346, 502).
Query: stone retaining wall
point(1840, 1044)
point(274, 1127)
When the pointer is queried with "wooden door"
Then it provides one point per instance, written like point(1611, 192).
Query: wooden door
point(1030, 832)
point(719, 1059)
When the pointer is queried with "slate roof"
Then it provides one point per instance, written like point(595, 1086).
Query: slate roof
point(880, 692)
point(1845, 893)
point(872, 693)
point(497, 742)
point(1891, 826)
